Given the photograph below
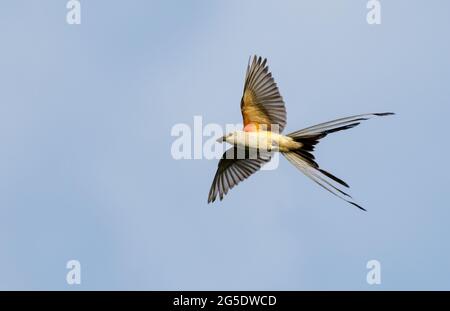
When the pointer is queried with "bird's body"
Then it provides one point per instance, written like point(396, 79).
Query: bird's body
point(263, 140)
point(264, 115)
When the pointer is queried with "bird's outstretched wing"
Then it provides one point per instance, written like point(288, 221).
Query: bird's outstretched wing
point(234, 167)
point(261, 103)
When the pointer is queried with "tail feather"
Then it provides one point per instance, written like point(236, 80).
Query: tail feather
point(319, 177)
point(304, 159)
point(308, 157)
point(336, 179)
point(336, 125)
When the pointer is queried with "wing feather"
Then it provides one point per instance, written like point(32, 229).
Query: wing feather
point(232, 170)
point(261, 102)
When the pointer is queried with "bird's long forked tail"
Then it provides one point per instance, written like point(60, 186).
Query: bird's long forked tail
point(304, 160)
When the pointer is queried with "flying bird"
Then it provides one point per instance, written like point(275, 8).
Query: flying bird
point(264, 115)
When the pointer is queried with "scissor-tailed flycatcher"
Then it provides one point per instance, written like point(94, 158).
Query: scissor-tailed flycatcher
point(264, 117)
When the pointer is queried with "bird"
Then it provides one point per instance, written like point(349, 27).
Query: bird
point(264, 117)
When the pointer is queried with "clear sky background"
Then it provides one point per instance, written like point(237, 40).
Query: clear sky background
point(86, 171)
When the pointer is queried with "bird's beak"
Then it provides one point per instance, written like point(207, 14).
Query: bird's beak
point(221, 139)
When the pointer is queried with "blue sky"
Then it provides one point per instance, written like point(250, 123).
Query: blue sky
point(86, 171)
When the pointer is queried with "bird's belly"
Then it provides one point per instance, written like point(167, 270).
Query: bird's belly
point(266, 140)
point(256, 140)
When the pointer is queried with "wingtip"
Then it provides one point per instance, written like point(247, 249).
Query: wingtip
point(211, 198)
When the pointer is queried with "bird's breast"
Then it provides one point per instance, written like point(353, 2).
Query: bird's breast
point(265, 140)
